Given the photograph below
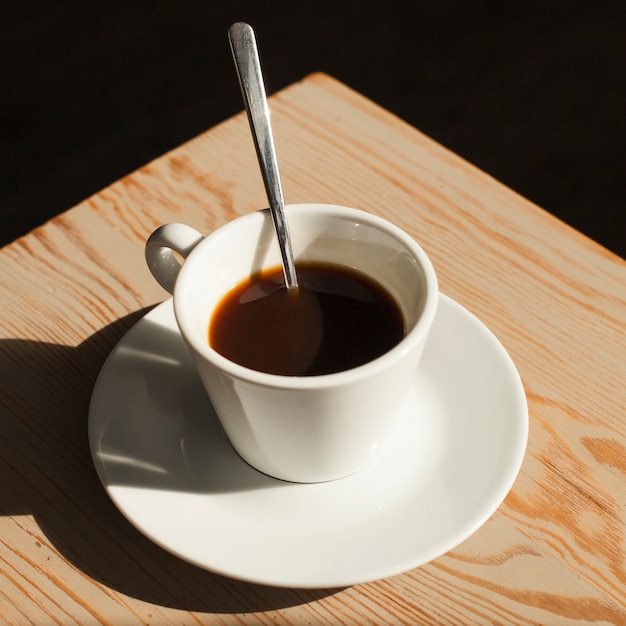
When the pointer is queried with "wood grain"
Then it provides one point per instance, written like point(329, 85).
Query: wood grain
point(554, 552)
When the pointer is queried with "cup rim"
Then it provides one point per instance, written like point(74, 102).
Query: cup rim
point(414, 335)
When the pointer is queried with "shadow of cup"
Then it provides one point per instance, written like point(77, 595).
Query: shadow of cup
point(46, 472)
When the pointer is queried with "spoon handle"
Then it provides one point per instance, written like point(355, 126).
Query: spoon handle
point(246, 57)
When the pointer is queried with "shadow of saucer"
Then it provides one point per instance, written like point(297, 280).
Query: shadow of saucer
point(46, 471)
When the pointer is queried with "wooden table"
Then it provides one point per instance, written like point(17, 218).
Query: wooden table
point(553, 553)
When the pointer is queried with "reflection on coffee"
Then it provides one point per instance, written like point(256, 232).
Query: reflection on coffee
point(336, 320)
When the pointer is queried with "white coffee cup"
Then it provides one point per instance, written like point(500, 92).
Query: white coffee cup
point(300, 428)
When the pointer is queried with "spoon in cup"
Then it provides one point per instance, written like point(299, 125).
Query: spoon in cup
point(246, 57)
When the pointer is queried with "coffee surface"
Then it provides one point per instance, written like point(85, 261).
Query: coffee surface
point(337, 319)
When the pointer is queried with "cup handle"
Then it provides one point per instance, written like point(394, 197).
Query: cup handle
point(161, 249)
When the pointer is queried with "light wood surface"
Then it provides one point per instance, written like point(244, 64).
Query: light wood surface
point(553, 553)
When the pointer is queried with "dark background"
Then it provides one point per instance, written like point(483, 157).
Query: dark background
point(532, 92)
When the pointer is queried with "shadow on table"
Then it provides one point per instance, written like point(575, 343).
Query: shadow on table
point(46, 471)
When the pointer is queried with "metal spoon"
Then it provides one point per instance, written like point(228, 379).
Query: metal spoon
point(246, 56)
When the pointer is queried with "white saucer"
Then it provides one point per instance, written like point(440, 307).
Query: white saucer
point(164, 461)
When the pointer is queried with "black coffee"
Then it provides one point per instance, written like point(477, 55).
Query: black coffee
point(337, 319)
